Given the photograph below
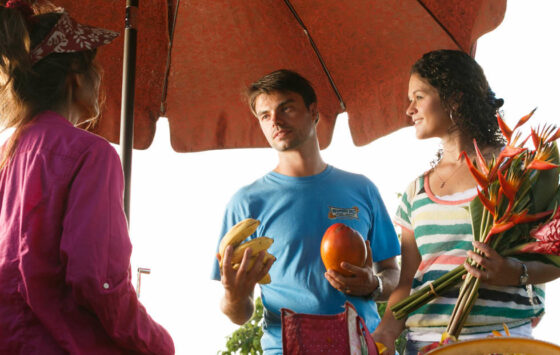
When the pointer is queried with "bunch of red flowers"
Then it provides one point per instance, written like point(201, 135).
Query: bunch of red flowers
point(516, 213)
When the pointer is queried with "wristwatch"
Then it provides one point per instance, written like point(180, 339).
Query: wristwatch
point(379, 290)
point(524, 275)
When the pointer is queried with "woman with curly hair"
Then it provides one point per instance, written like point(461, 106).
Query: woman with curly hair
point(64, 245)
point(450, 98)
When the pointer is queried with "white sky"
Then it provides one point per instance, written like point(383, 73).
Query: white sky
point(178, 199)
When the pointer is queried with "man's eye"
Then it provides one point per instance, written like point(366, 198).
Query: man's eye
point(265, 117)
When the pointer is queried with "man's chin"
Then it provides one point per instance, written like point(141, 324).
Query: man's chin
point(282, 147)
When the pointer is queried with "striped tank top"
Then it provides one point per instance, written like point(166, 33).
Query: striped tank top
point(443, 233)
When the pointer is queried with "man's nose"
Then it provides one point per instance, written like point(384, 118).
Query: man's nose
point(276, 118)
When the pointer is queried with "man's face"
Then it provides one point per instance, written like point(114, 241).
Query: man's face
point(285, 120)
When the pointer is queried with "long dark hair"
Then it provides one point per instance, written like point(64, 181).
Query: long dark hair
point(25, 88)
point(464, 92)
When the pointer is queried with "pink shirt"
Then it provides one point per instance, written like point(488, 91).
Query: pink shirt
point(65, 282)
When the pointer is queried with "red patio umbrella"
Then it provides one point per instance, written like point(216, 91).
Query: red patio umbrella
point(195, 58)
point(357, 53)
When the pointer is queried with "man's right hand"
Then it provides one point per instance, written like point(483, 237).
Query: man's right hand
point(239, 284)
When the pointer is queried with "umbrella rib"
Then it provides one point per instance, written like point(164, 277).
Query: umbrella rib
point(441, 25)
point(162, 107)
point(317, 53)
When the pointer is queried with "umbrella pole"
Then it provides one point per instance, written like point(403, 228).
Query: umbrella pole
point(127, 103)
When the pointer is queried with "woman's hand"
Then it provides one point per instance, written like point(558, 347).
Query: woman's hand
point(497, 270)
point(380, 336)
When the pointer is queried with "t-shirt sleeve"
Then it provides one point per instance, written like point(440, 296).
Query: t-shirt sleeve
point(383, 239)
point(404, 210)
point(96, 248)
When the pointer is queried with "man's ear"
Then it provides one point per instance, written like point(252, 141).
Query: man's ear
point(314, 111)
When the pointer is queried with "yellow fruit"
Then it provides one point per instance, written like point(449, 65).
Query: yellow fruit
point(257, 245)
point(265, 280)
point(238, 233)
point(381, 348)
point(266, 258)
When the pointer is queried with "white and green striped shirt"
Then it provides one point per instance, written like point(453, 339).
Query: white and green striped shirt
point(443, 233)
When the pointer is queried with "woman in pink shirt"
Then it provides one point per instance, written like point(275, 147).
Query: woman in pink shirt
point(65, 282)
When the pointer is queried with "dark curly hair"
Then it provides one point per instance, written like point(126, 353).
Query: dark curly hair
point(464, 92)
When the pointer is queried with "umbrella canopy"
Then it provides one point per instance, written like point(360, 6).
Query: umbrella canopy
point(196, 57)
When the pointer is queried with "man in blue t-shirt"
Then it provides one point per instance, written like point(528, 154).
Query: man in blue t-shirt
point(295, 204)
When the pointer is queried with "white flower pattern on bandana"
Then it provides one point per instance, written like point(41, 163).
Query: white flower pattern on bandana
point(70, 36)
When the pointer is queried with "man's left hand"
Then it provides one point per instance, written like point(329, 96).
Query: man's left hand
point(360, 283)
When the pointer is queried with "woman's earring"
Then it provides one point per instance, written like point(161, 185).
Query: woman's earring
point(451, 117)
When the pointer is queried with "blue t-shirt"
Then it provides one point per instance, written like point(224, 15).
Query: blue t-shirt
point(295, 212)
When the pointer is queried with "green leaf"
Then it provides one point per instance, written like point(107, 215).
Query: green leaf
point(543, 190)
point(543, 258)
point(476, 208)
point(554, 201)
point(247, 338)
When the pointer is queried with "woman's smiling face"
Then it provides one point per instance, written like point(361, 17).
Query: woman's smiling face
point(429, 116)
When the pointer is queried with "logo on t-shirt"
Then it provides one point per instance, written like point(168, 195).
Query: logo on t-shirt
point(343, 213)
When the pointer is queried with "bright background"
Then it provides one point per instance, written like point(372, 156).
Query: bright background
point(178, 199)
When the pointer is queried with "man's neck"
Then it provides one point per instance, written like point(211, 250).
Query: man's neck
point(298, 163)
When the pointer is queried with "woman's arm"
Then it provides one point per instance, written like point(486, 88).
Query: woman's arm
point(96, 248)
point(390, 328)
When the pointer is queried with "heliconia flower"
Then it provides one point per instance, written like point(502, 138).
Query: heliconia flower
point(506, 329)
point(481, 178)
point(545, 135)
point(554, 137)
point(524, 119)
point(480, 161)
point(506, 131)
point(541, 165)
point(490, 204)
point(498, 228)
point(525, 217)
point(541, 160)
point(511, 150)
point(496, 333)
point(536, 139)
point(510, 184)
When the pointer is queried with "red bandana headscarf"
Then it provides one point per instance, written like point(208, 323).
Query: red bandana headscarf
point(66, 36)
point(70, 36)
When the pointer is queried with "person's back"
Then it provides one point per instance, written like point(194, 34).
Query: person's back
point(64, 244)
point(37, 306)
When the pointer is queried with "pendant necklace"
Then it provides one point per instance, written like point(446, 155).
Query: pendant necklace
point(444, 181)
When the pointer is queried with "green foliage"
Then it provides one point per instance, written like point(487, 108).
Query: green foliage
point(247, 339)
